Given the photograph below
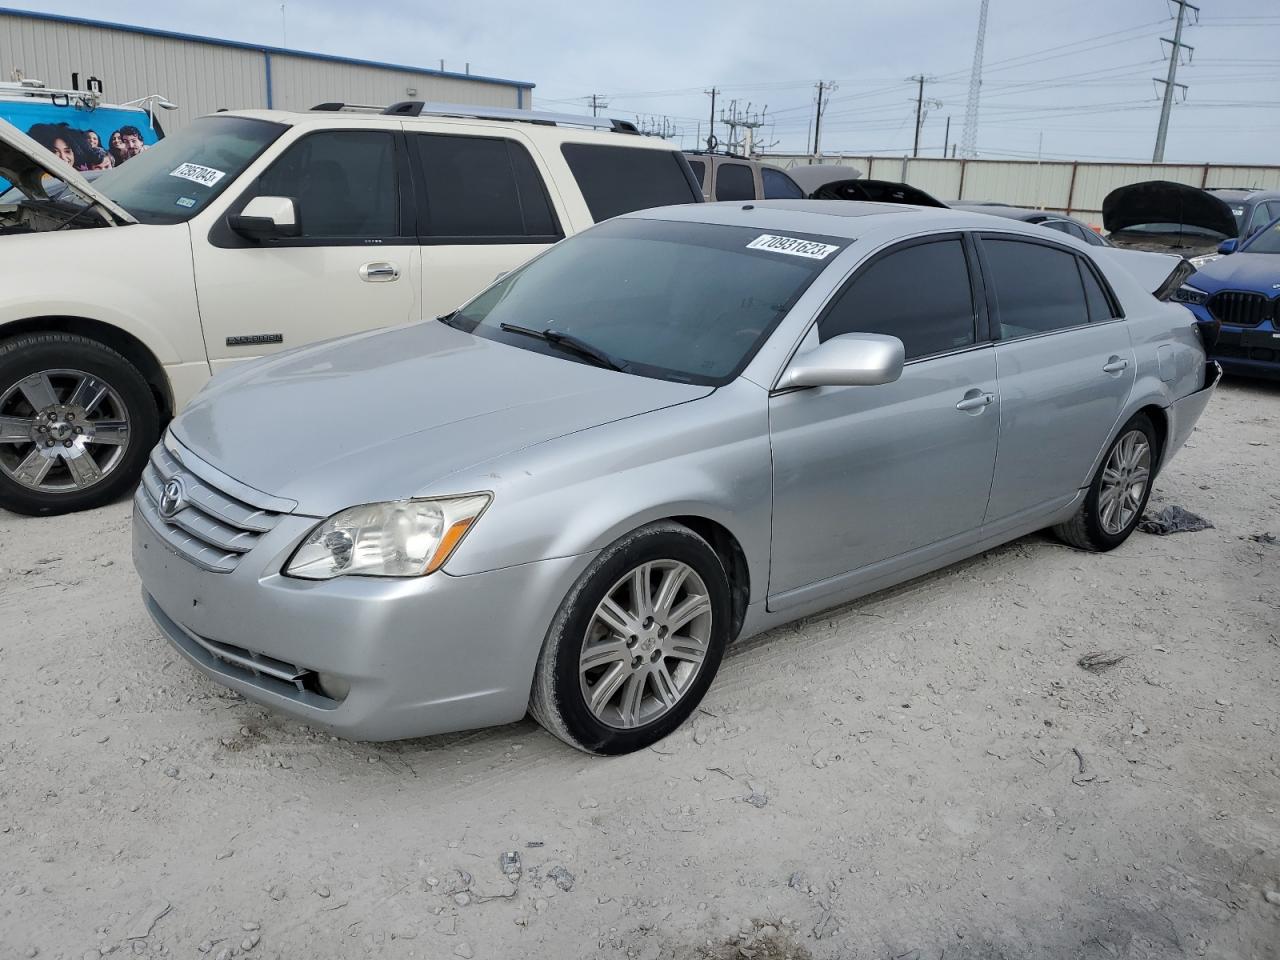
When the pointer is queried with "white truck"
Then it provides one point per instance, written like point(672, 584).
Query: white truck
point(254, 231)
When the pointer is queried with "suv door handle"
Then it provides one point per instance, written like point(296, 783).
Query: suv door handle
point(379, 272)
point(974, 400)
point(1115, 365)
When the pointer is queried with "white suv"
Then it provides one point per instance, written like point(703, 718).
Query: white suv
point(255, 231)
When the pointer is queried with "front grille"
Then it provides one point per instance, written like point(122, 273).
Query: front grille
point(1241, 309)
point(214, 530)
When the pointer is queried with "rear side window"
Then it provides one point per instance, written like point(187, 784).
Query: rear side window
point(778, 186)
point(1037, 288)
point(344, 182)
point(483, 188)
point(735, 182)
point(617, 180)
point(1065, 226)
point(888, 297)
point(1099, 304)
point(699, 170)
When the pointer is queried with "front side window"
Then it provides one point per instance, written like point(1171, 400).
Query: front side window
point(1268, 241)
point(1261, 217)
point(483, 187)
point(616, 180)
point(1037, 287)
point(176, 178)
point(734, 181)
point(689, 302)
point(344, 182)
point(778, 186)
point(920, 294)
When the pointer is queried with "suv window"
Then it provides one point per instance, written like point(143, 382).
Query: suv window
point(734, 181)
point(344, 182)
point(483, 187)
point(1037, 287)
point(778, 186)
point(699, 170)
point(888, 297)
point(617, 180)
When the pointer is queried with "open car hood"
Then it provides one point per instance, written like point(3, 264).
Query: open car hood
point(1166, 202)
point(814, 175)
point(25, 164)
point(878, 191)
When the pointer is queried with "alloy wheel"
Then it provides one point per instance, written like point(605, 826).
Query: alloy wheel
point(1124, 482)
point(645, 644)
point(61, 430)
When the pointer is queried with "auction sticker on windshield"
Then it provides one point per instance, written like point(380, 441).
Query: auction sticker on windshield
point(205, 176)
point(793, 246)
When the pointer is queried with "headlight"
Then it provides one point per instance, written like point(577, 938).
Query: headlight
point(1189, 294)
point(1200, 261)
point(402, 538)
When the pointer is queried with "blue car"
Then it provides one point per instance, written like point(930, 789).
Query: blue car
point(1241, 291)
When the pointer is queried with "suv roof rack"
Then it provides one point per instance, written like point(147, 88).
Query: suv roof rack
point(424, 108)
point(37, 89)
point(339, 106)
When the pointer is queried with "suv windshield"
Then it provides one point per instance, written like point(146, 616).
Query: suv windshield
point(690, 302)
point(1266, 241)
point(175, 179)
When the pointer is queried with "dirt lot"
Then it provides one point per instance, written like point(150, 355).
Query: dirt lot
point(895, 779)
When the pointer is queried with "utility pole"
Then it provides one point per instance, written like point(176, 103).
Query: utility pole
point(712, 142)
point(969, 137)
point(598, 103)
point(946, 136)
point(915, 146)
point(1175, 52)
point(827, 86)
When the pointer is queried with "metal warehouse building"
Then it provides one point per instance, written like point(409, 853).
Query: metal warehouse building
point(203, 74)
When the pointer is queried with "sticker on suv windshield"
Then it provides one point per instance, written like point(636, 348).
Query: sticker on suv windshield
point(205, 176)
point(793, 246)
point(186, 202)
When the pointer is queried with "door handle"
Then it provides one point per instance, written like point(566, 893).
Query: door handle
point(1115, 365)
point(379, 272)
point(976, 401)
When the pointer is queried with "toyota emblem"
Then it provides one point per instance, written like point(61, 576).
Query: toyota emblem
point(173, 497)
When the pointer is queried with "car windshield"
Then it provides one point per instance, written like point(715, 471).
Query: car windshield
point(689, 302)
point(175, 179)
point(1266, 240)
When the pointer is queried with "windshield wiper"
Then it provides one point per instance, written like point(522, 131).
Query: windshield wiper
point(567, 341)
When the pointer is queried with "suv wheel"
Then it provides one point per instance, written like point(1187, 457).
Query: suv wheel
point(77, 422)
point(636, 642)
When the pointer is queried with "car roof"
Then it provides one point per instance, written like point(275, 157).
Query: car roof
point(845, 219)
point(1243, 193)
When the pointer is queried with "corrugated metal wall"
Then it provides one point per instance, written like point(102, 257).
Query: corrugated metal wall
point(1075, 188)
point(203, 77)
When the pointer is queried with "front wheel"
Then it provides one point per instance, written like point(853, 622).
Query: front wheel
point(1119, 492)
point(77, 421)
point(636, 643)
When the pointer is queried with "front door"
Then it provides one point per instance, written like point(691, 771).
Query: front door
point(1066, 366)
point(867, 474)
point(352, 269)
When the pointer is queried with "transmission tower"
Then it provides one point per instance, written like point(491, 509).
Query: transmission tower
point(969, 138)
point(1176, 46)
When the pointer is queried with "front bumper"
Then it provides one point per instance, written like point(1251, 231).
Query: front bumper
point(1249, 351)
point(364, 657)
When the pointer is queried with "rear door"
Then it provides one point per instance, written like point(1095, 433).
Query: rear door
point(1065, 365)
point(483, 210)
point(354, 266)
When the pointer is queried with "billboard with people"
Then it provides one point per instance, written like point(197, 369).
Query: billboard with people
point(86, 139)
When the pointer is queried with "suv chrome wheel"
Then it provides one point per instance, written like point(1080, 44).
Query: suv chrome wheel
point(61, 430)
point(1124, 482)
point(645, 644)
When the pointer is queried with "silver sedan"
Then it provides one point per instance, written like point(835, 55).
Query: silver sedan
point(681, 427)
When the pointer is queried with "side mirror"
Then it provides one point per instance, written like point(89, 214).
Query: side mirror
point(267, 218)
point(849, 360)
point(1228, 246)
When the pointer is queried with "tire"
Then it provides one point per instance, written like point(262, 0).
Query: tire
point(1096, 525)
point(626, 722)
point(79, 396)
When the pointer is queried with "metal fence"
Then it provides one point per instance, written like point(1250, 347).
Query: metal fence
point(1064, 186)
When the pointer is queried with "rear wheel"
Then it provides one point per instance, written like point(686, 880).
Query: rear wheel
point(1119, 491)
point(77, 422)
point(636, 642)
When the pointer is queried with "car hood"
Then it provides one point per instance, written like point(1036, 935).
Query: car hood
point(25, 164)
point(1241, 271)
point(387, 415)
point(1163, 201)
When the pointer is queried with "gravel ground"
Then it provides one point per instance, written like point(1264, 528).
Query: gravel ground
point(927, 772)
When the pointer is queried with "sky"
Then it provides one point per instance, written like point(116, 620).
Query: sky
point(1066, 79)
